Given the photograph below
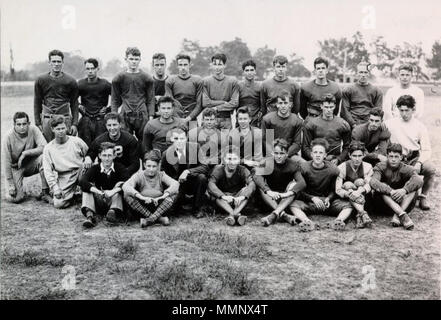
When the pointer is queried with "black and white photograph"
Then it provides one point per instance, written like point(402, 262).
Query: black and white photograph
point(247, 150)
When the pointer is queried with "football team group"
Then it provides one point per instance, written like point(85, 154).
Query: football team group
point(147, 146)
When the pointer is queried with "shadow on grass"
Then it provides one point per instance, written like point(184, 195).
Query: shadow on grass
point(30, 258)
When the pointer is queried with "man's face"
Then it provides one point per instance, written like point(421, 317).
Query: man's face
point(56, 63)
point(113, 127)
point(321, 70)
point(280, 70)
point(374, 123)
point(405, 77)
point(107, 156)
point(133, 62)
point(183, 67)
point(328, 109)
point(91, 71)
point(21, 125)
point(405, 112)
point(283, 106)
point(362, 74)
point(179, 140)
point(60, 131)
point(318, 154)
point(231, 160)
point(394, 159)
point(151, 167)
point(159, 67)
point(356, 157)
point(280, 155)
point(249, 72)
point(218, 67)
point(243, 119)
point(165, 110)
point(210, 122)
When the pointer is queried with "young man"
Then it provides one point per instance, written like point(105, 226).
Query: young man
point(405, 87)
point(55, 93)
point(94, 94)
point(220, 92)
point(232, 186)
point(247, 139)
point(22, 157)
point(375, 136)
point(285, 125)
point(279, 188)
point(211, 140)
point(159, 64)
point(133, 91)
point(272, 87)
point(186, 89)
point(151, 193)
point(412, 135)
point(63, 163)
point(333, 128)
point(249, 92)
point(126, 146)
point(312, 92)
point(360, 97)
point(395, 185)
point(318, 196)
point(157, 131)
point(181, 162)
point(101, 186)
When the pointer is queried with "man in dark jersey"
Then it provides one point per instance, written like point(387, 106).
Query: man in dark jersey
point(133, 91)
point(272, 87)
point(312, 92)
point(94, 93)
point(249, 93)
point(186, 89)
point(159, 64)
point(55, 93)
point(126, 149)
point(360, 97)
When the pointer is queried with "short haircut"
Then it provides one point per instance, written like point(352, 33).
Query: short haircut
point(231, 149)
point(209, 112)
point(364, 64)
point(20, 115)
point(153, 155)
point(219, 56)
point(56, 120)
point(92, 61)
point(405, 66)
point(406, 100)
point(183, 56)
point(320, 60)
point(394, 147)
point(158, 56)
point(320, 142)
point(329, 97)
point(55, 53)
point(284, 95)
point(280, 60)
point(249, 63)
point(178, 130)
point(106, 145)
point(134, 51)
point(112, 115)
point(281, 143)
point(242, 110)
point(355, 146)
point(378, 112)
point(165, 99)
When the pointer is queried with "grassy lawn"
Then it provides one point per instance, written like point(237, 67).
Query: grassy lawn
point(205, 259)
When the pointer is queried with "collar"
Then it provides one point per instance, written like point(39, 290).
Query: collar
point(103, 170)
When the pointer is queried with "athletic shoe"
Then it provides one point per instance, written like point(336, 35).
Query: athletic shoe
point(288, 218)
point(111, 216)
point(423, 204)
point(395, 222)
point(230, 221)
point(269, 219)
point(165, 221)
point(241, 220)
point(359, 222)
point(367, 221)
point(90, 221)
point(406, 221)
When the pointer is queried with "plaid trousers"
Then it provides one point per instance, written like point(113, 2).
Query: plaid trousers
point(144, 209)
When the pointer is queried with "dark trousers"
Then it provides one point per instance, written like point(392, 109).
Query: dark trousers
point(91, 127)
point(194, 185)
point(134, 122)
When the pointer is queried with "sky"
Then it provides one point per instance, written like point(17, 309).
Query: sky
point(103, 28)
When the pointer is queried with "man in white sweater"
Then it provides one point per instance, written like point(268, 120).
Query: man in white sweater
point(413, 136)
point(63, 162)
point(403, 88)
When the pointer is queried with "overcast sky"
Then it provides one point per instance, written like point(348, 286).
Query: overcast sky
point(104, 28)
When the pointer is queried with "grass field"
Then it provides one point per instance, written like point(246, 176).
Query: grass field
point(204, 259)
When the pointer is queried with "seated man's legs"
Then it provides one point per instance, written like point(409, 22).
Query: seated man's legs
point(300, 209)
point(150, 212)
point(342, 209)
point(428, 171)
point(401, 209)
point(197, 186)
point(68, 183)
point(278, 208)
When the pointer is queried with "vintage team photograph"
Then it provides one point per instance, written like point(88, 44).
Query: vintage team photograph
point(220, 150)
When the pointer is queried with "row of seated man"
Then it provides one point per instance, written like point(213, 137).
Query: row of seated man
point(62, 161)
